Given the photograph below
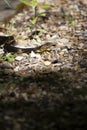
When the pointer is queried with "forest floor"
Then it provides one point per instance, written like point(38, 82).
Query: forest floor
point(47, 88)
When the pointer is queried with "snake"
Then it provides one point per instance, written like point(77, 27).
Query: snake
point(8, 43)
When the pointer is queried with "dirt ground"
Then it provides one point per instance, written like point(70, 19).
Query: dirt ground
point(47, 89)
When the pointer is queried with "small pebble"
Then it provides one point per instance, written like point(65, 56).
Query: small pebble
point(18, 58)
point(47, 63)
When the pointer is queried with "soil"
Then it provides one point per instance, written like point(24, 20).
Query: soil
point(46, 89)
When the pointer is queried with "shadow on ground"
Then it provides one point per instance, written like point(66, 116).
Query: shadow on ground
point(47, 101)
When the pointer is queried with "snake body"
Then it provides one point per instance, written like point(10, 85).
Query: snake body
point(9, 42)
